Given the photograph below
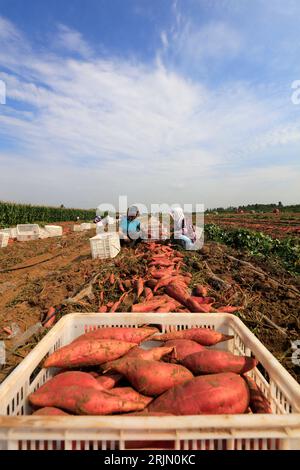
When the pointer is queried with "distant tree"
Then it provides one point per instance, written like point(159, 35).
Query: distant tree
point(62, 206)
point(280, 204)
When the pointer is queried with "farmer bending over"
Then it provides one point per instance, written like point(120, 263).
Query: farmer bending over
point(130, 226)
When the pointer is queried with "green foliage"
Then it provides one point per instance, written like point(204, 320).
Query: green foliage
point(13, 214)
point(258, 243)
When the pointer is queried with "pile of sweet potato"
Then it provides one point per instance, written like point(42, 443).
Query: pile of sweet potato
point(163, 288)
point(107, 371)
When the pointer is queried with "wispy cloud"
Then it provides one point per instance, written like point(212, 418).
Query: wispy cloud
point(73, 41)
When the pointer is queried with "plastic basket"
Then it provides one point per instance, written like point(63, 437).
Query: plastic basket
point(54, 230)
point(4, 237)
point(27, 232)
point(280, 430)
point(105, 245)
point(86, 226)
point(44, 233)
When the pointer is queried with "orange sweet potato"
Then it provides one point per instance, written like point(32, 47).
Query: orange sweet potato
point(152, 377)
point(204, 336)
point(69, 378)
point(130, 334)
point(225, 393)
point(88, 353)
point(128, 393)
point(84, 401)
point(50, 411)
point(154, 354)
point(109, 380)
point(178, 292)
point(258, 402)
point(214, 362)
point(182, 348)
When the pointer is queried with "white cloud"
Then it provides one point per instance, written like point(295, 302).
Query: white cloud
point(164, 39)
point(73, 41)
point(93, 128)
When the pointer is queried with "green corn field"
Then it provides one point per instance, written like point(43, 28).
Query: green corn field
point(13, 214)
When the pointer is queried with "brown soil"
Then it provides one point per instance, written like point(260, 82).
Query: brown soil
point(27, 294)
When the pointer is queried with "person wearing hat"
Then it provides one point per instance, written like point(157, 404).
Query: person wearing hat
point(130, 226)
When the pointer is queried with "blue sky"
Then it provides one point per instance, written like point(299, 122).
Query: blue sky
point(170, 101)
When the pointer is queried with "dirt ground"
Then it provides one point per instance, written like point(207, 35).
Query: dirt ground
point(65, 268)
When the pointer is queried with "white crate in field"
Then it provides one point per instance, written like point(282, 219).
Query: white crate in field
point(86, 226)
point(43, 233)
point(105, 245)
point(280, 430)
point(54, 230)
point(4, 237)
point(27, 232)
point(77, 228)
point(13, 232)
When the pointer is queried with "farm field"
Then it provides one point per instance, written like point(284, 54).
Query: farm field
point(276, 225)
point(265, 293)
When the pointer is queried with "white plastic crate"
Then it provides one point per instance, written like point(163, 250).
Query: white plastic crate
point(86, 226)
point(27, 232)
point(13, 232)
point(44, 233)
point(105, 245)
point(4, 237)
point(280, 430)
point(54, 230)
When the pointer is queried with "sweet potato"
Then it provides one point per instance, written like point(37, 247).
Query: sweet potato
point(50, 411)
point(128, 393)
point(88, 352)
point(109, 380)
point(112, 279)
point(182, 348)
point(148, 293)
point(225, 393)
point(69, 378)
point(84, 400)
point(139, 287)
point(205, 307)
point(204, 336)
point(214, 362)
point(129, 334)
point(167, 307)
point(154, 354)
point(146, 412)
point(150, 305)
point(152, 377)
point(258, 402)
point(177, 292)
point(102, 309)
point(203, 300)
point(228, 309)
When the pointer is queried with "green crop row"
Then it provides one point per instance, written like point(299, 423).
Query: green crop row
point(258, 243)
point(13, 214)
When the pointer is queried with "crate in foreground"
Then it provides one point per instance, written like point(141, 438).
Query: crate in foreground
point(280, 430)
point(105, 245)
